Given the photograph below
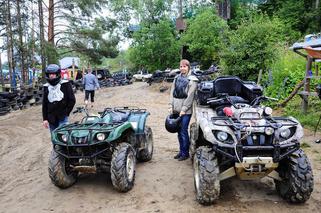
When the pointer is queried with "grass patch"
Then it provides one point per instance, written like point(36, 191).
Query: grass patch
point(308, 120)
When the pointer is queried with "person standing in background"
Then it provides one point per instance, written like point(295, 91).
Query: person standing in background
point(90, 83)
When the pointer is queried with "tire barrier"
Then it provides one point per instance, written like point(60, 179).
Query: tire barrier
point(27, 96)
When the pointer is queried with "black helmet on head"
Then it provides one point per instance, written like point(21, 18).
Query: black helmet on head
point(173, 123)
point(53, 69)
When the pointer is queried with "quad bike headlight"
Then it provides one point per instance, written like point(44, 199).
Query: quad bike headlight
point(64, 138)
point(221, 136)
point(268, 110)
point(100, 136)
point(286, 133)
point(269, 130)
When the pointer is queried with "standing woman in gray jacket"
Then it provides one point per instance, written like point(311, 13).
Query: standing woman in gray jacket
point(181, 99)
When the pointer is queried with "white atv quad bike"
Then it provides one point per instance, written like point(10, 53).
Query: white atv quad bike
point(234, 135)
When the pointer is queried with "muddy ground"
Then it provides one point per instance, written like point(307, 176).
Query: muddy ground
point(162, 185)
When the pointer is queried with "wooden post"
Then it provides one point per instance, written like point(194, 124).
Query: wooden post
point(259, 77)
point(305, 98)
point(73, 70)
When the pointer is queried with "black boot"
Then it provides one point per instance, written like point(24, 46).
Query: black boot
point(177, 156)
point(181, 158)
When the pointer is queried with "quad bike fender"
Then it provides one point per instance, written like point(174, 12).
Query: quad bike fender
point(298, 134)
point(138, 121)
point(118, 131)
point(208, 129)
point(299, 130)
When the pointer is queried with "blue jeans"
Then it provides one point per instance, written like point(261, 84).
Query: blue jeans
point(183, 137)
point(61, 122)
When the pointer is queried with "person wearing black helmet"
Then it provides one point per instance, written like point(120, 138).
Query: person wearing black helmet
point(181, 100)
point(58, 99)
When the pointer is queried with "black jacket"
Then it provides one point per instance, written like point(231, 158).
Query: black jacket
point(53, 112)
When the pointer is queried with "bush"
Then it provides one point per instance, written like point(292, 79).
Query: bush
point(203, 37)
point(285, 73)
point(252, 47)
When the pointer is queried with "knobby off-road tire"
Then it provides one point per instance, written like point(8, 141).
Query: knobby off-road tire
point(122, 169)
point(60, 172)
point(193, 138)
point(206, 176)
point(146, 154)
point(297, 183)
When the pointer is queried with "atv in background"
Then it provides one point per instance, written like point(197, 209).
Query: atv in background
point(110, 142)
point(235, 135)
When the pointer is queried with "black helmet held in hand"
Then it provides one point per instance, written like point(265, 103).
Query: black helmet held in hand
point(53, 69)
point(173, 123)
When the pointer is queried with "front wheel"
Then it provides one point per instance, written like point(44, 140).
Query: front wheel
point(297, 178)
point(60, 172)
point(206, 176)
point(193, 137)
point(122, 169)
point(146, 153)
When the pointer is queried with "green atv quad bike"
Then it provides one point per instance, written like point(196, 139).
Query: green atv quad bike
point(110, 142)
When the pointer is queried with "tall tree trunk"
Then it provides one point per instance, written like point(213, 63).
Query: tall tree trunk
point(1, 74)
point(51, 10)
point(42, 40)
point(9, 43)
point(21, 48)
point(33, 45)
point(224, 8)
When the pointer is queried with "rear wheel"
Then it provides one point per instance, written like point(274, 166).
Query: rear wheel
point(146, 154)
point(60, 172)
point(206, 176)
point(122, 169)
point(297, 183)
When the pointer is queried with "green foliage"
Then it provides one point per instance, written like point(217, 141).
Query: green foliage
point(121, 62)
point(309, 119)
point(302, 16)
point(252, 47)
point(52, 54)
point(155, 47)
point(284, 74)
point(203, 37)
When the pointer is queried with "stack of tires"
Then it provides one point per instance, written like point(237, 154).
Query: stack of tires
point(4, 103)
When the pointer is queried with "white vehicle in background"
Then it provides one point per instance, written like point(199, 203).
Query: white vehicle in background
point(142, 75)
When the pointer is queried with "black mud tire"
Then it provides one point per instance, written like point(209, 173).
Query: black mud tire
point(122, 168)
point(297, 183)
point(146, 154)
point(206, 176)
point(59, 171)
point(193, 138)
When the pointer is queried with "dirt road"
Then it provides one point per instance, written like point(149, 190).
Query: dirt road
point(162, 185)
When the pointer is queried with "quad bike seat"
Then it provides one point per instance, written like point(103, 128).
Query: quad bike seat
point(119, 116)
point(233, 86)
point(228, 85)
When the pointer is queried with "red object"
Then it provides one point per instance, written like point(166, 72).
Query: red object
point(314, 53)
point(228, 111)
point(65, 74)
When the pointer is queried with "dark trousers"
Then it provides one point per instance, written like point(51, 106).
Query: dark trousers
point(183, 137)
point(91, 93)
